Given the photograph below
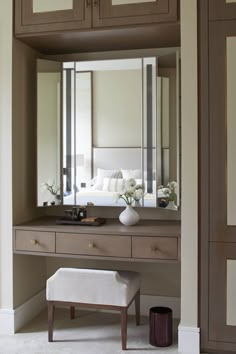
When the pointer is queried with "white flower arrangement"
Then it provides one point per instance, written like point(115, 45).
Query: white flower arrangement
point(170, 191)
point(133, 192)
point(51, 187)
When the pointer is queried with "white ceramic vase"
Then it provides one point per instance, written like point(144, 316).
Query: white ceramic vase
point(129, 216)
point(171, 205)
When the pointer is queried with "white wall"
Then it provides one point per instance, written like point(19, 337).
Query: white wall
point(6, 285)
point(189, 236)
point(117, 108)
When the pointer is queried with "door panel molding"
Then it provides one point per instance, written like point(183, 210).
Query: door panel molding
point(28, 22)
point(105, 14)
point(218, 33)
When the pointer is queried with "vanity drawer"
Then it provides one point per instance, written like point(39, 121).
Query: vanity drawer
point(155, 247)
point(34, 241)
point(94, 245)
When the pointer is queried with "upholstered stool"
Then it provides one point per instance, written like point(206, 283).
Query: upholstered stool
point(113, 290)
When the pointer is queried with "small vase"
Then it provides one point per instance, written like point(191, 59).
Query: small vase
point(129, 216)
point(171, 205)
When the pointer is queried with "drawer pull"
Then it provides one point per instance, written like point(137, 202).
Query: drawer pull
point(34, 242)
point(88, 4)
point(95, 3)
point(154, 248)
point(92, 245)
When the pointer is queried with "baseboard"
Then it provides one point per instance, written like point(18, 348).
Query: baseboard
point(189, 340)
point(12, 320)
point(31, 308)
point(7, 321)
point(148, 301)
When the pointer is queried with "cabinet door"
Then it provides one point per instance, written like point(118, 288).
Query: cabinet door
point(218, 322)
point(34, 16)
point(222, 9)
point(130, 12)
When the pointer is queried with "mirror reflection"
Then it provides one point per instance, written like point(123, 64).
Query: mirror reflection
point(119, 124)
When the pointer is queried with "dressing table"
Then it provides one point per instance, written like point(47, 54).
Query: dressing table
point(149, 240)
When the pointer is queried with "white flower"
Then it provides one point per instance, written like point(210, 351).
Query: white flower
point(130, 183)
point(170, 190)
point(132, 192)
point(138, 194)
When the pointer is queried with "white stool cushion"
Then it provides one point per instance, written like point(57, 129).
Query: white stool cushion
point(92, 286)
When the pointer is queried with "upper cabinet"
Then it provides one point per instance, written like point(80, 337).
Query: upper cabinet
point(222, 9)
point(37, 16)
point(34, 16)
point(130, 12)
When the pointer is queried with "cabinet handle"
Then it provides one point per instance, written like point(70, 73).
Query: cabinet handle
point(92, 245)
point(34, 242)
point(95, 3)
point(88, 3)
point(154, 248)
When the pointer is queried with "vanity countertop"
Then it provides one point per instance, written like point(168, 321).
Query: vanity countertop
point(111, 227)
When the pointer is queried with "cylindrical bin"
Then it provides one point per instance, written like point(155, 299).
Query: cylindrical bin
point(160, 320)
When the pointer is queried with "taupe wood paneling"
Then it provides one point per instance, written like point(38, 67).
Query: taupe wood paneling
point(94, 245)
point(155, 247)
point(204, 212)
point(222, 10)
point(217, 240)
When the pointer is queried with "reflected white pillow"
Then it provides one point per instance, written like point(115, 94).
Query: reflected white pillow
point(116, 185)
point(127, 174)
point(101, 174)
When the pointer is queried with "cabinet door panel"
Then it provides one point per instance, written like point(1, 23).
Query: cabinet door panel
point(221, 287)
point(128, 12)
point(30, 19)
point(222, 134)
point(222, 9)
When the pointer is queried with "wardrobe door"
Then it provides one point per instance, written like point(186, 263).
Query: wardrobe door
point(129, 12)
point(33, 16)
point(222, 185)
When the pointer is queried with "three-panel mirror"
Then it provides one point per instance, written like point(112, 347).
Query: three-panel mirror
point(103, 124)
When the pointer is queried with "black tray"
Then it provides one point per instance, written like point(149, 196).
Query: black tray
point(67, 221)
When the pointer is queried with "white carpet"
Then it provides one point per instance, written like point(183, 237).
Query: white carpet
point(88, 333)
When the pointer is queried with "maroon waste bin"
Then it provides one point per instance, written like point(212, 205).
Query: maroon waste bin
point(160, 321)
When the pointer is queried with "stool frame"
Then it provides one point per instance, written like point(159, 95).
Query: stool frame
point(122, 309)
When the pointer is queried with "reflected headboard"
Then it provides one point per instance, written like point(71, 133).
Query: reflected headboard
point(116, 158)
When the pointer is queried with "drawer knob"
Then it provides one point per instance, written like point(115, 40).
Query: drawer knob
point(92, 245)
point(154, 248)
point(34, 242)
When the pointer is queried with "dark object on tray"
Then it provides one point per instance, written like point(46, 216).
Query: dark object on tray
point(90, 221)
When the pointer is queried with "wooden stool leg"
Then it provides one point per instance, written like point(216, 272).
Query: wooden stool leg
point(72, 312)
point(51, 312)
point(123, 314)
point(137, 307)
